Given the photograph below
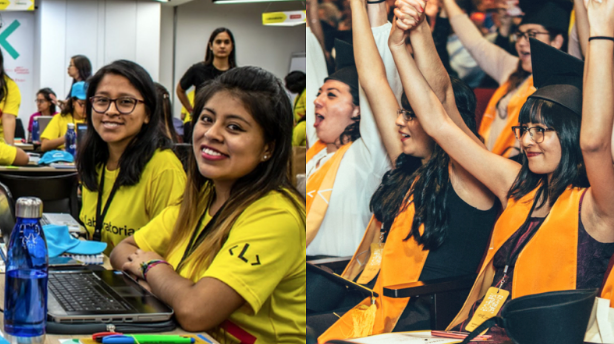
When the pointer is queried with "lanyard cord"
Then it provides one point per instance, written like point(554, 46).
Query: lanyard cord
point(100, 215)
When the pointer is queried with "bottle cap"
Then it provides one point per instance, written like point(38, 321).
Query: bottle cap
point(71, 126)
point(29, 208)
point(35, 119)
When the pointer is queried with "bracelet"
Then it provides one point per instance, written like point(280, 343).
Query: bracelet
point(146, 266)
point(602, 37)
point(375, 2)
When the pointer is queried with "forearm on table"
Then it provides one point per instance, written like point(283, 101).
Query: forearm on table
point(50, 144)
point(122, 251)
point(8, 125)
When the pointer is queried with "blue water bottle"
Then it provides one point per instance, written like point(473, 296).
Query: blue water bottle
point(35, 135)
point(25, 288)
point(70, 140)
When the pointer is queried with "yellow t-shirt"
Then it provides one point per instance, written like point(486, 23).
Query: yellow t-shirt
point(10, 103)
point(188, 116)
point(299, 106)
point(299, 135)
point(58, 126)
point(263, 260)
point(7, 154)
point(162, 183)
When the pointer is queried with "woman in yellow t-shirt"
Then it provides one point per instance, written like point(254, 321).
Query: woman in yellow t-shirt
point(72, 112)
point(230, 259)
point(9, 104)
point(128, 171)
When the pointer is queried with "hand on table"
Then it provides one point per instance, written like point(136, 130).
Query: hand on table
point(133, 265)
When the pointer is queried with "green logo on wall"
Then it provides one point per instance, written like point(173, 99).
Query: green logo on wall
point(5, 44)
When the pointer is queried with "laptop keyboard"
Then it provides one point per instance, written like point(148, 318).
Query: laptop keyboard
point(82, 292)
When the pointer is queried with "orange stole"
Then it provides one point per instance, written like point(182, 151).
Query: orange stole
point(547, 263)
point(402, 262)
point(506, 138)
point(320, 187)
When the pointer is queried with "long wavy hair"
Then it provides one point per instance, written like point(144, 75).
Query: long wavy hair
point(94, 152)
point(426, 184)
point(166, 125)
point(232, 59)
point(264, 98)
point(570, 171)
point(84, 66)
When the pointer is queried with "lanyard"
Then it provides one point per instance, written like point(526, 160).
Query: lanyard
point(100, 215)
point(510, 257)
point(195, 241)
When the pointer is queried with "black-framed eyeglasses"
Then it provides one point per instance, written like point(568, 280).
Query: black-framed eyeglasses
point(537, 133)
point(408, 116)
point(529, 34)
point(40, 101)
point(124, 105)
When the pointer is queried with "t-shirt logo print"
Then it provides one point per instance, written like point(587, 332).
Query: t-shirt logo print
point(242, 254)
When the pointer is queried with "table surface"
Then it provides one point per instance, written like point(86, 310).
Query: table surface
point(55, 339)
point(35, 169)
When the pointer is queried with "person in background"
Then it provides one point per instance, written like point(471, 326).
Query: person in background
point(299, 134)
point(72, 112)
point(220, 57)
point(230, 257)
point(186, 116)
point(44, 104)
point(167, 123)
point(79, 69)
point(295, 83)
point(128, 171)
point(10, 101)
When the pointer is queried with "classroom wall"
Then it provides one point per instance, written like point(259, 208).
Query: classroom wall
point(268, 47)
point(102, 30)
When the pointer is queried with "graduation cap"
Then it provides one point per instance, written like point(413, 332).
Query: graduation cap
point(345, 67)
point(557, 76)
point(551, 14)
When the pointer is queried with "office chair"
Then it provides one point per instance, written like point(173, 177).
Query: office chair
point(58, 192)
point(19, 130)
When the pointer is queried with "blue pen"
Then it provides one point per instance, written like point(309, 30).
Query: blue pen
point(204, 338)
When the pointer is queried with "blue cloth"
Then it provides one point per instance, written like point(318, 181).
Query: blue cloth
point(56, 156)
point(78, 90)
point(60, 241)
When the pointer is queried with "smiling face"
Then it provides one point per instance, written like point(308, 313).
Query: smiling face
point(228, 142)
point(334, 111)
point(115, 128)
point(543, 157)
point(415, 141)
point(221, 45)
point(524, 48)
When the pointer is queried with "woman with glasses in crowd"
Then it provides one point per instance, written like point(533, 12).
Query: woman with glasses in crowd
point(128, 171)
point(45, 104)
point(229, 258)
point(73, 112)
point(547, 22)
point(555, 232)
point(428, 223)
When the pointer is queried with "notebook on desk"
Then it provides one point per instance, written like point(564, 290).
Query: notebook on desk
point(84, 296)
point(62, 219)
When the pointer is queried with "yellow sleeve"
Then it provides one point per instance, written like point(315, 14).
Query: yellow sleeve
point(52, 131)
point(188, 116)
point(165, 189)
point(264, 246)
point(300, 108)
point(7, 154)
point(299, 135)
point(156, 235)
point(12, 101)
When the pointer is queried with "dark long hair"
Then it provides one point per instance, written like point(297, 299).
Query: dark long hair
point(428, 184)
point(4, 88)
point(570, 171)
point(166, 125)
point(263, 96)
point(296, 81)
point(232, 60)
point(94, 152)
point(84, 66)
point(47, 92)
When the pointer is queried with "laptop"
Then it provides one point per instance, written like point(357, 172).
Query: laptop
point(81, 130)
point(84, 296)
point(43, 121)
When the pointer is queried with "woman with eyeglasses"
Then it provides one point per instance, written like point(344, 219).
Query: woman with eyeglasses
point(428, 223)
point(45, 105)
point(72, 112)
point(547, 22)
point(556, 232)
point(128, 171)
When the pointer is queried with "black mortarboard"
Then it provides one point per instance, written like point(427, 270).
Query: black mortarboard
point(557, 76)
point(551, 14)
point(345, 67)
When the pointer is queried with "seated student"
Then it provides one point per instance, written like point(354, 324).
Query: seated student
point(295, 83)
point(299, 134)
point(166, 125)
point(73, 112)
point(235, 245)
point(128, 171)
point(44, 104)
point(429, 223)
point(555, 232)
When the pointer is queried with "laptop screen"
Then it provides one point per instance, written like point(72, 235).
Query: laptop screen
point(81, 130)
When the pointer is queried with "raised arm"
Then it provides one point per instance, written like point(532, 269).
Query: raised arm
point(313, 21)
point(427, 59)
point(495, 172)
point(495, 61)
point(581, 24)
point(373, 80)
point(597, 119)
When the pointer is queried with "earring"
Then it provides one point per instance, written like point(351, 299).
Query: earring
point(265, 157)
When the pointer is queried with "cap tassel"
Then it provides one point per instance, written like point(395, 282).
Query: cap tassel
point(363, 318)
